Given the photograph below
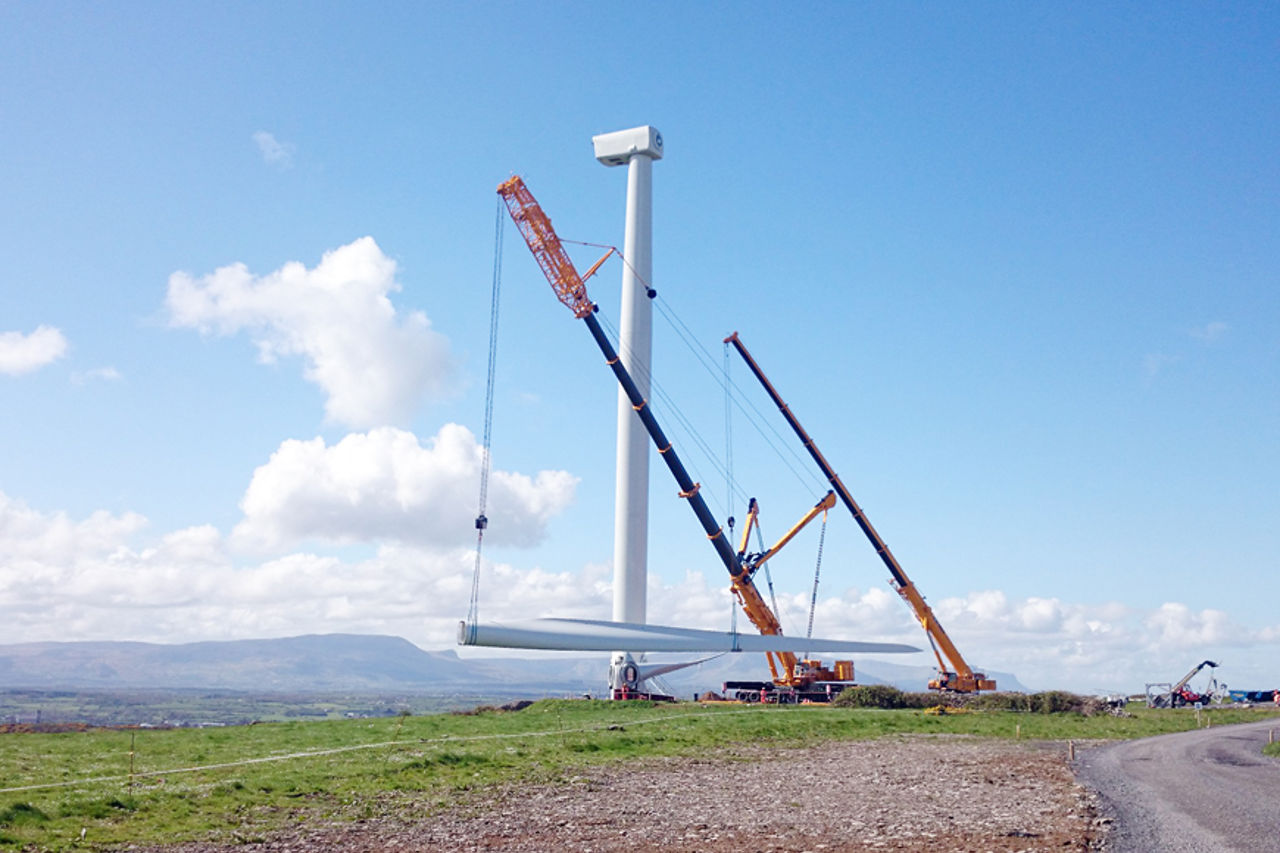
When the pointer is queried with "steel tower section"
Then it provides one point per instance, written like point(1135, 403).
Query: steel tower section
point(636, 148)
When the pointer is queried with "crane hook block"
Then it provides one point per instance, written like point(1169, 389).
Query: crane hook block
point(481, 522)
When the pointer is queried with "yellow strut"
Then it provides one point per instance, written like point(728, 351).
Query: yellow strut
point(820, 507)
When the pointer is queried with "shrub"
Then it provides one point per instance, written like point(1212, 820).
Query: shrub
point(999, 702)
point(870, 696)
point(1056, 702)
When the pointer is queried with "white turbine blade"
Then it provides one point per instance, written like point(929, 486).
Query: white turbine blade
point(586, 635)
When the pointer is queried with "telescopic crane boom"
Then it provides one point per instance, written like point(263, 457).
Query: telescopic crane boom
point(961, 678)
point(535, 227)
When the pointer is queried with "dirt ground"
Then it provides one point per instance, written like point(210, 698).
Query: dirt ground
point(917, 793)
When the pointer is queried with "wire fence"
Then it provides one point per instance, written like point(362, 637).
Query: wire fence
point(337, 750)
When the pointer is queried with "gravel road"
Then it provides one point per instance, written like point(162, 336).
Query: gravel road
point(1207, 790)
point(917, 793)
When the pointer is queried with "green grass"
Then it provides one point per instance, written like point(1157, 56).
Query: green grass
point(194, 707)
point(1272, 749)
point(432, 760)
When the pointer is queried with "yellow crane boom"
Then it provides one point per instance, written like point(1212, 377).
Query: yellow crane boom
point(960, 678)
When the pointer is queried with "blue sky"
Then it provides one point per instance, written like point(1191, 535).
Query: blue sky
point(1014, 266)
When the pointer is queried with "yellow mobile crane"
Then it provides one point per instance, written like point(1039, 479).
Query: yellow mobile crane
point(961, 678)
point(794, 680)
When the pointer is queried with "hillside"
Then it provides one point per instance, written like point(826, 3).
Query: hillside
point(353, 662)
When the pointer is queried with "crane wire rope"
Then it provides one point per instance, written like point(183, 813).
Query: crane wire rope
point(728, 477)
point(668, 406)
point(734, 396)
point(781, 447)
point(768, 575)
point(482, 522)
point(817, 569)
point(690, 431)
point(740, 398)
point(697, 439)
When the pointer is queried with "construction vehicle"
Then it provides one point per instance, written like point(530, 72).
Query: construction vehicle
point(1166, 695)
point(794, 680)
point(960, 678)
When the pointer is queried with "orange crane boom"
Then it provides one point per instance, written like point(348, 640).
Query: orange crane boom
point(962, 679)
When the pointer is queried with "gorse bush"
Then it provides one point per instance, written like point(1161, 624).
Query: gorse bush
point(1049, 702)
point(889, 697)
point(870, 696)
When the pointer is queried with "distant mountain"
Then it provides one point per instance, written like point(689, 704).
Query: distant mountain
point(363, 663)
point(314, 662)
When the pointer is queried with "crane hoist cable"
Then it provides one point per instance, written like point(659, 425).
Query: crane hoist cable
point(482, 522)
point(779, 444)
point(728, 436)
point(817, 570)
point(768, 575)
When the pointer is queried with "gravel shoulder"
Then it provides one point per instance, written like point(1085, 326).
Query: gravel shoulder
point(914, 793)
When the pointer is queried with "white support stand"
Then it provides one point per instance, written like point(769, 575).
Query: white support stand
point(636, 148)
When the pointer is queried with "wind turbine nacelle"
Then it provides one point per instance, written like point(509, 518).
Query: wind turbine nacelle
point(617, 148)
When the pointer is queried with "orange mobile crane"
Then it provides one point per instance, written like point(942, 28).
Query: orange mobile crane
point(960, 679)
point(794, 680)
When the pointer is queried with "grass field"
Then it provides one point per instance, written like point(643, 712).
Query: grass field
point(205, 707)
point(241, 783)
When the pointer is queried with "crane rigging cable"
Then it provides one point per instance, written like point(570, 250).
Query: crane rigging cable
point(669, 406)
point(728, 438)
point(768, 575)
point(781, 446)
point(734, 397)
point(482, 522)
point(817, 569)
point(790, 458)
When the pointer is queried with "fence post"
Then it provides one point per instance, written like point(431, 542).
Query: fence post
point(132, 738)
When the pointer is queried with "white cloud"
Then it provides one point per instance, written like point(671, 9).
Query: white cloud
point(21, 353)
point(273, 151)
point(1211, 332)
point(385, 486)
point(1104, 646)
point(375, 365)
point(29, 537)
point(1177, 626)
point(104, 374)
point(93, 579)
point(62, 579)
